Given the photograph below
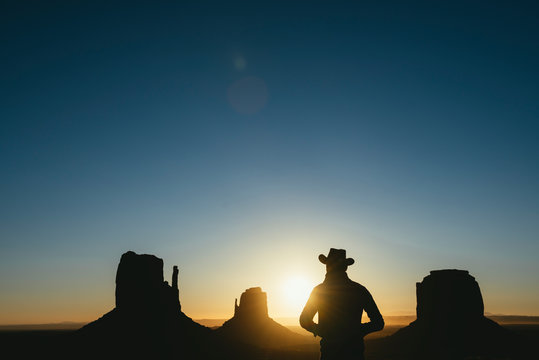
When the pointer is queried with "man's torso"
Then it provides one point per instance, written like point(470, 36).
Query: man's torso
point(340, 308)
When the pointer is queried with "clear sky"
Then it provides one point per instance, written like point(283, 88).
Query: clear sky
point(241, 140)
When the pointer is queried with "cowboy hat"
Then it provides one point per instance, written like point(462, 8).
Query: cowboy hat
point(334, 256)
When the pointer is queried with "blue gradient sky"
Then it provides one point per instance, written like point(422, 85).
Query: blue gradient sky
point(241, 140)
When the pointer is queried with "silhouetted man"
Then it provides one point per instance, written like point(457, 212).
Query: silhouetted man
point(340, 302)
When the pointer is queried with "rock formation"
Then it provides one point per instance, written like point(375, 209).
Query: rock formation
point(140, 286)
point(147, 320)
point(450, 321)
point(254, 305)
point(455, 292)
point(252, 325)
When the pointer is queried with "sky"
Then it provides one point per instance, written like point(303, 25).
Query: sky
point(240, 140)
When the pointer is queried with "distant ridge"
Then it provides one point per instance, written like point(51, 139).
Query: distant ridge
point(287, 322)
point(514, 319)
point(211, 323)
point(65, 325)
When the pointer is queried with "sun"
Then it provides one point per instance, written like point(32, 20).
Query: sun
point(296, 291)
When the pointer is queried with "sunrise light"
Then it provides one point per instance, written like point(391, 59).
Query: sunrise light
point(296, 290)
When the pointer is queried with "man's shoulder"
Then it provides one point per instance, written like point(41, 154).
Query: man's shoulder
point(359, 287)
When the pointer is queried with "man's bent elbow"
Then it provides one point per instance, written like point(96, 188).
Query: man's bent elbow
point(305, 322)
point(379, 324)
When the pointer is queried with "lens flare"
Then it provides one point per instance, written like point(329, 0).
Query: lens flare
point(248, 95)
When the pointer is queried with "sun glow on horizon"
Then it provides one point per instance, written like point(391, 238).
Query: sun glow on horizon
point(296, 291)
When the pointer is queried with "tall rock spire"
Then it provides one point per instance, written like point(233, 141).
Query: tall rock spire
point(175, 277)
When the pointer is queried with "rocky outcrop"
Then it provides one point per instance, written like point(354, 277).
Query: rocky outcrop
point(147, 321)
point(446, 296)
point(140, 286)
point(450, 321)
point(253, 305)
point(252, 325)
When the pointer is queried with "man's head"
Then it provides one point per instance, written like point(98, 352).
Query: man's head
point(336, 260)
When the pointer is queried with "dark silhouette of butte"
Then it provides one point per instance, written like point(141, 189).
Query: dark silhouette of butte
point(450, 321)
point(251, 323)
point(147, 320)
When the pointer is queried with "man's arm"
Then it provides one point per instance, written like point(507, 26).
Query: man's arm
point(376, 322)
point(306, 317)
